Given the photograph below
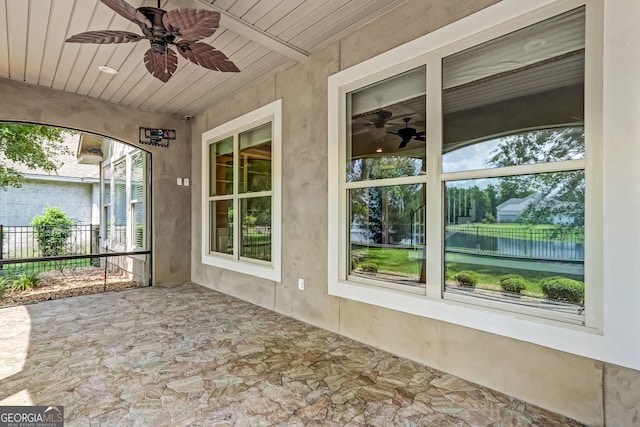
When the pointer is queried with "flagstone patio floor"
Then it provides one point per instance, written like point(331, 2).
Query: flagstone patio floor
point(189, 356)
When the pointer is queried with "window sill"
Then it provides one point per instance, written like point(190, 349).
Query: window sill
point(257, 269)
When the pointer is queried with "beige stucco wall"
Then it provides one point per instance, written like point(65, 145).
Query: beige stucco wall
point(575, 386)
point(171, 238)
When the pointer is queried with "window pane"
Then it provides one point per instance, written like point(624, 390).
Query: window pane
point(137, 199)
point(138, 224)
point(256, 228)
point(255, 159)
point(528, 225)
point(221, 167)
point(387, 120)
point(498, 93)
point(387, 233)
point(221, 226)
point(120, 202)
point(106, 200)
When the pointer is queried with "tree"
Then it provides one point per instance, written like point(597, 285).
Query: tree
point(561, 193)
point(34, 146)
point(384, 212)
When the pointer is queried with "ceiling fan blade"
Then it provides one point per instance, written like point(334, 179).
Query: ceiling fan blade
point(404, 142)
point(127, 11)
point(105, 36)
point(192, 24)
point(420, 138)
point(206, 56)
point(161, 65)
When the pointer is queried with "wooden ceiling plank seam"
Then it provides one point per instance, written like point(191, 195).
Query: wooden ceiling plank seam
point(86, 62)
point(101, 57)
point(185, 68)
point(83, 64)
point(202, 75)
point(119, 59)
point(259, 10)
point(224, 4)
point(185, 98)
point(242, 7)
point(134, 80)
point(4, 41)
point(218, 91)
point(277, 14)
point(70, 51)
point(304, 24)
point(349, 19)
point(87, 52)
point(61, 11)
point(237, 25)
point(275, 65)
point(320, 44)
point(187, 77)
point(37, 30)
point(203, 78)
point(302, 12)
point(18, 16)
point(121, 81)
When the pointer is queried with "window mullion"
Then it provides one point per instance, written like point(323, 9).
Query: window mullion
point(434, 197)
point(236, 190)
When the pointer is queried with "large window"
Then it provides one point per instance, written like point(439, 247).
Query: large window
point(463, 174)
point(125, 198)
point(241, 205)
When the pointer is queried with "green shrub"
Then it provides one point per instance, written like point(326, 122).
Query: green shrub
point(466, 278)
point(513, 283)
point(52, 229)
point(5, 285)
point(368, 267)
point(562, 289)
point(24, 280)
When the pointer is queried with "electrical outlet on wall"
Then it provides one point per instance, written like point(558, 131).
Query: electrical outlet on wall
point(179, 181)
point(185, 181)
point(301, 284)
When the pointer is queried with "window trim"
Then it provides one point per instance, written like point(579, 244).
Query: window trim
point(489, 23)
point(268, 270)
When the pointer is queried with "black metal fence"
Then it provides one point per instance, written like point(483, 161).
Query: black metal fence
point(556, 243)
point(256, 242)
point(20, 242)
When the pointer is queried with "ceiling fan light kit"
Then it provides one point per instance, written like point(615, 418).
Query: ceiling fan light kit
point(182, 28)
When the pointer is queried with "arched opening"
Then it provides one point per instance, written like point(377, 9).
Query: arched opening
point(75, 213)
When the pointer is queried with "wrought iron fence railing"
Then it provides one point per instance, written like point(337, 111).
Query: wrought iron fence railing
point(553, 243)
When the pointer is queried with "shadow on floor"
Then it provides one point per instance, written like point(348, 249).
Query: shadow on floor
point(187, 355)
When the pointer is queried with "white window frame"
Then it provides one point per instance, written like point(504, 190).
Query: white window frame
point(133, 202)
point(129, 239)
point(494, 21)
point(268, 270)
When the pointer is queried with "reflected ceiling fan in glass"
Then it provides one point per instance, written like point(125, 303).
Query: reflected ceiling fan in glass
point(407, 133)
point(182, 28)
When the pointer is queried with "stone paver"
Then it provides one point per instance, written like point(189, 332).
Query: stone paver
point(187, 355)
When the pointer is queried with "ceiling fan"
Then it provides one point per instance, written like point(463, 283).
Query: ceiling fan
point(181, 28)
point(407, 133)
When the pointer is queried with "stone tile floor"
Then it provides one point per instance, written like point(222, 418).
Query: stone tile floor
point(187, 355)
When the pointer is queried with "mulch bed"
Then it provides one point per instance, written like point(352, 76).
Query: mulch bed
point(68, 283)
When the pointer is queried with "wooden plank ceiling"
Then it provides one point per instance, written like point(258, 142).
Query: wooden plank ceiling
point(260, 36)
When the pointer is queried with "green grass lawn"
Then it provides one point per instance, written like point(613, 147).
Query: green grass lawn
point(490, 275)
point(404, 262)
point(391, 260)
